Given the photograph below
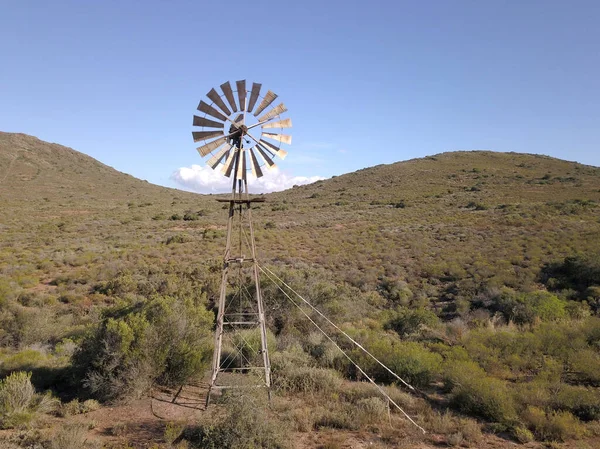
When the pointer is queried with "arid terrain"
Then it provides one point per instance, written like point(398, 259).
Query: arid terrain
point(475, 276)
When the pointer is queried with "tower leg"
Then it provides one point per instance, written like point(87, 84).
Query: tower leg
point(216, 362)
point(259, 300)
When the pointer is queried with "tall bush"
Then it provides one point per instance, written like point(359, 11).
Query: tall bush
point(164, 340)
point(472, 391)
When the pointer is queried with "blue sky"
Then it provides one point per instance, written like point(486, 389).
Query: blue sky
point(366, 83)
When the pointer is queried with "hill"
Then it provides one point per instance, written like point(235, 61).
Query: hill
point(32, 168)
point(475, 275)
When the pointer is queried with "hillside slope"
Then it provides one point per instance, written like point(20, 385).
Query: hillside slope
point(476, 218)
point(31, 169)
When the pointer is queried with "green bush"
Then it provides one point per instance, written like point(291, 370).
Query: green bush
point(472, 391)
point(553, 426)
point(526, 308)
point(412, 361)
point(576, 273)
point(523, 435)
point(580, 401)
point(247, 345)
point(410, 321)
point(164, 340)
point(585, 365)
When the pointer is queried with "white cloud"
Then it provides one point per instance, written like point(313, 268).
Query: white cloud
point(203, 179)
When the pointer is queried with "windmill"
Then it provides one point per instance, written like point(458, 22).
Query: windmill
point(244, 147)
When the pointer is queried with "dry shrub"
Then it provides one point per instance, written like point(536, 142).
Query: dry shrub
point(9, 445)
point(359, 390)
point(307, 379)
point(303, 419)
point(470, 430)
point(339, 416)
point(172, 431)
point(70, 408)
point(245, 426)
point(19, 403)
point(441, 422)
point(16, 392)
point(371, 410)
point(119, 429)
point(89, 405)
point(457, 429)
point(70, 436)
point(454, 439)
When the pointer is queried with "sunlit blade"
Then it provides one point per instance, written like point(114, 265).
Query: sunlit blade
point(203, 107)
point(201, 121)
point(285, 123)
point(203, 135)
point(226, 170)
point(241, 169)
point(273, 149)
point(241, 91)
point(266, 157)
point(205, 149)
point(226, 88)
point(255, 166)
point(222, 153)
point(254, 95)
point(269, 98)
point(285, 138)
point(277, 110)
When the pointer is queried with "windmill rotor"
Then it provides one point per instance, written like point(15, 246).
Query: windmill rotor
point(241, 130)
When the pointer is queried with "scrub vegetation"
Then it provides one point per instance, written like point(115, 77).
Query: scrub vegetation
point(475, 276)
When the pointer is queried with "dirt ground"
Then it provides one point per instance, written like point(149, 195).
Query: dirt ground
point(142, 423)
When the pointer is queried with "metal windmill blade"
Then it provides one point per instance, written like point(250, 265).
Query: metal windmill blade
point(267, 100)
point(279, 109)
point(254, 164)
point(254, 95)
point(286, 123)
point(273, 149)
point(285, 138)
point(226, 88)
point(241, 91)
